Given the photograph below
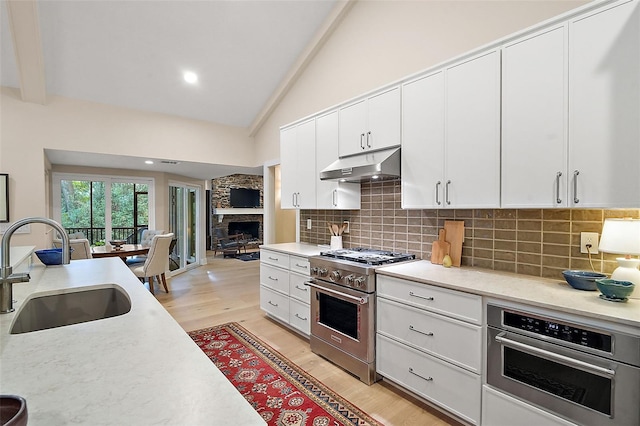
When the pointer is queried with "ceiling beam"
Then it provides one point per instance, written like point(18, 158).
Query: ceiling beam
point(340, 10)
point(27, 45)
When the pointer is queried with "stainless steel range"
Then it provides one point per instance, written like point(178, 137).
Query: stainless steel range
point(343, 307)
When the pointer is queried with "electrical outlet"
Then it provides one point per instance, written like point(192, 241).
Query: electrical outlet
point(589, 238)
point(346, 230)
point(308, 223)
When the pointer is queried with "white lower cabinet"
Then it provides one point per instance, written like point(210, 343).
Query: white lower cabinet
point(283, 293)
point(499, 409)
point(429, 341)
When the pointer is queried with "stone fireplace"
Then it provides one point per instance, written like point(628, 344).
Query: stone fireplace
point(236, 220)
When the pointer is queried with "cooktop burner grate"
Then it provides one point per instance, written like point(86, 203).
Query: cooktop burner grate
point(368, 256)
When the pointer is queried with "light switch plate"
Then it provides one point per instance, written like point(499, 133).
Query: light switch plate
point(589, 238)
point(308, 223)
point(346, 230)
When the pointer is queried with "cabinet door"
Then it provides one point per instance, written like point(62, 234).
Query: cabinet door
point(383, 120)
point(329, 194)
point(534, 148)
point(604, 106)
point(423, 142)
point(288, 167)
point(472, 149)
point(306, 176)
point(352, 133)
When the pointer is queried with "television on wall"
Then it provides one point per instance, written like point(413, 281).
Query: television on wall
point(244, 197)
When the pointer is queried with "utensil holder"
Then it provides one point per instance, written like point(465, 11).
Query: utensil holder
point(336, 242)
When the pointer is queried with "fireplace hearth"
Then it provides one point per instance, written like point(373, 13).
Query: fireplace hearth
point(249, 228)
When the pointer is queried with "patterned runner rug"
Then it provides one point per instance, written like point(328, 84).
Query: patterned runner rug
point(280, 391)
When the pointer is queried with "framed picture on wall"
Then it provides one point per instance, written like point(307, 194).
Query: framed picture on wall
point(4, 197)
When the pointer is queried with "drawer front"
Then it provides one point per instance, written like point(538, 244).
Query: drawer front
point(275, 278)
point(274, 258)
point(299, 264)
point(274, 303)
point(456, 304)
point(454, 389)
point(300, 316)
point(298, 289)
point(452, 340)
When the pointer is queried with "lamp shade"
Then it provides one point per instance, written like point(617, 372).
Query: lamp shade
point(621, 236)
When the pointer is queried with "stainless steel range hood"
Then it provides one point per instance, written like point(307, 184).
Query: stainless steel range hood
point(384, 164)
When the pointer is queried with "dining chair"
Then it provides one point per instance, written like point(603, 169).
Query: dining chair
point(157, 262)
point(145, 241)
point(80, 248)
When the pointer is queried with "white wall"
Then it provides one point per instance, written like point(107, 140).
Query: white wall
point(379, 42)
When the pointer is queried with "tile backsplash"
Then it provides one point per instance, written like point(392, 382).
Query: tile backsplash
point(539, 242)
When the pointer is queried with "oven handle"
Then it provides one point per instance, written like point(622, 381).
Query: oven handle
point(359, 300)
point(601, 371)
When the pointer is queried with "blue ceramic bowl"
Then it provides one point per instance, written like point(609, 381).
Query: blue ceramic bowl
point(583, 280)
point(614, 289)
point(50, 256)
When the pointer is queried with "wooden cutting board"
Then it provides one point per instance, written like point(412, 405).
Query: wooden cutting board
point(454, 230)
point(440, 248)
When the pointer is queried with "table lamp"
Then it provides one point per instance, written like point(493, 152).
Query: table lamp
point(622, 236)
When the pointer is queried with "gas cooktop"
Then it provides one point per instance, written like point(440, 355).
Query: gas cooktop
point(368, 256)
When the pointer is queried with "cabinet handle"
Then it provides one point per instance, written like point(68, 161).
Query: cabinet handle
point(368, 144)
point(297, 199)
point(302, 266)
point(438, 183)
point(273, 258)
point(293, 199)
point(419, 331)
point(303, 319)
point(272, 279)
point(576, 200)
point(302, 288)
point(420, 297)
point(334, 197)
point(446, 192)
point(273, 304)
point(362, 140)
point(558, 199)
point(428, 379)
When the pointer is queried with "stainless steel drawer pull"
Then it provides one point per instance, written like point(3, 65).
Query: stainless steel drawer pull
point(302, 288)
point(272, 304)
point(273, 258)
point(575, 186)
point(428, 379)
point(272, 278)
point(558, 199)
point(420, 297)
point(299, 317)
point(368, 136)
point(426, 333)
point(551, 356)
point(438, 183)
point(302, 266)
point(362, 140)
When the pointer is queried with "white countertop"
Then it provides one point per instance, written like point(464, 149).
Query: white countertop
point(138, 368)
point(296, 249)
point(539, 292)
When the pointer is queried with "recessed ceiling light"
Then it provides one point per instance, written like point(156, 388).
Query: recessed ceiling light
point(375, 177)
point(148, 162)
point(190, 77)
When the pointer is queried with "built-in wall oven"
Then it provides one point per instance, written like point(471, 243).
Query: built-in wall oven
point(343, 307)
point(584, 373)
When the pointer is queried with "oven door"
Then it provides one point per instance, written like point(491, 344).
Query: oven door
point(580, 387)
point(344, 318)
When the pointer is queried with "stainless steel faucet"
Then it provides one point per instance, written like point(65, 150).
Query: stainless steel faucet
point(7, 278)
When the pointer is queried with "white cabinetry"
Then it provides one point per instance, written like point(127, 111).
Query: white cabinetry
point(499, 409)
point(329, 194)
point(451, 136)
point(283, 293)
point(429, 341)
point(604, 106)
point(372, 123)
point(534, 99)
point(298, 166)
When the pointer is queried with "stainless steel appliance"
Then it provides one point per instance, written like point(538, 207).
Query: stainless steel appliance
point(584, 373)
point(343, 307)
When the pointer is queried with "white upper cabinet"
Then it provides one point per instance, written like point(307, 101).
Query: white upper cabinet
point(451, 136)
point(604, 107)
point(372, 123)
point(329, 194)
point(298, 166)
point(534, 99)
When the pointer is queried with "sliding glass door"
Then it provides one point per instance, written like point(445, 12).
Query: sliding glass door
point(184, 204)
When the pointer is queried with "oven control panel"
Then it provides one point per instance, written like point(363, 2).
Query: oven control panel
point(558, 330)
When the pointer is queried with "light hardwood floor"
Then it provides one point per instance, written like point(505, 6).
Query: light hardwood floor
point(227, 290)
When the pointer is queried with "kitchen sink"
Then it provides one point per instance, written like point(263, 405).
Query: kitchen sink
point(58, 310)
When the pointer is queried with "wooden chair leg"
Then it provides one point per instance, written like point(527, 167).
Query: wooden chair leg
point(164, 282)
point(151, 285)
